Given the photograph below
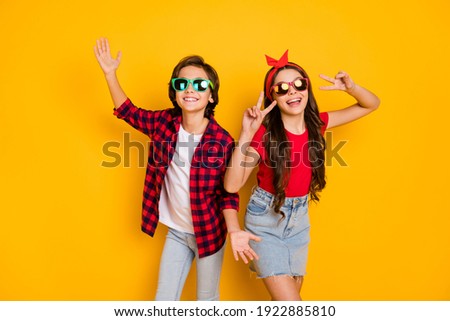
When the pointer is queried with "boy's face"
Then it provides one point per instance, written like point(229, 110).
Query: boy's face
point(189, 99)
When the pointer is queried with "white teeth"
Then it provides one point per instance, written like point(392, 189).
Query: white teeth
point(190, 99)
point(294, 101)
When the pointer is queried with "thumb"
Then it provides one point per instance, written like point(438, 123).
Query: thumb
point(255, 238)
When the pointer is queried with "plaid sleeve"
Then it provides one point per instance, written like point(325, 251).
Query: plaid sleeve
point(228, 200)
point(140, 119)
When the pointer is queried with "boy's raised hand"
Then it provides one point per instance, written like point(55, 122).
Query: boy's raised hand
point(102, 53)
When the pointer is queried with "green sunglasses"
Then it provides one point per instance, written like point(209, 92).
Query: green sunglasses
point(199, 84)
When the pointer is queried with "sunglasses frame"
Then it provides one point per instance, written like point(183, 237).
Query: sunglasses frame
point(191, 82)
point(290, 84)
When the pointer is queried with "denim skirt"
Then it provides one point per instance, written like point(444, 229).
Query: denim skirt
point(283, 248)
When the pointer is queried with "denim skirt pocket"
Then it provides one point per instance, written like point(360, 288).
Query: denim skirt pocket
point(256, 206)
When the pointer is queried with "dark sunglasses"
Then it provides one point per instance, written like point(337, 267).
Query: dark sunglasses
point(199, 84)
point(282, 87)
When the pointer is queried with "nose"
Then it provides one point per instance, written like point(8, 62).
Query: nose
point(189, 88)
point(291, 90)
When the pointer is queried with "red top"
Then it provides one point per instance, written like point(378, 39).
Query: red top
point(208, 197)
point(300, 178)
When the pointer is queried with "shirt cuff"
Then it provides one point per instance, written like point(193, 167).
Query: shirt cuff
point(125, 105)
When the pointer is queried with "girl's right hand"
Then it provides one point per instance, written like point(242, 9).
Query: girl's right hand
point(102, 53)
point(254, 116)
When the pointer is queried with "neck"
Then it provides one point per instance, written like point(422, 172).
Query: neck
point(294, 123)
point(194, 123)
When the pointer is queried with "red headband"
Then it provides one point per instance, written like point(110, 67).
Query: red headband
point(277, 64)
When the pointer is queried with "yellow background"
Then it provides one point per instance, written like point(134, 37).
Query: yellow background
point(70, 228)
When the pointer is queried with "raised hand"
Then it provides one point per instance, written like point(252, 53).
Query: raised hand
point(341, 81)
point(240, 246)
point(102, 53)
point(254, 116)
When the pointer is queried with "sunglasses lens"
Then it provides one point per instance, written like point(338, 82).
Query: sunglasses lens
point(300, 84)
point(282, 88)
point(180, 84)
point(200, 84)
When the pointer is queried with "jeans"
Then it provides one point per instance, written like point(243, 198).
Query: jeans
point(179, 251)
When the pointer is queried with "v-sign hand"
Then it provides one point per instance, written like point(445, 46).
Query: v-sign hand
point(254, 116)
point(341, 81)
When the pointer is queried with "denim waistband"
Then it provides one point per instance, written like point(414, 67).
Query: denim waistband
point(268, 197)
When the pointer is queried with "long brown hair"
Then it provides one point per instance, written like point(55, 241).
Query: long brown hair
point(278, 149)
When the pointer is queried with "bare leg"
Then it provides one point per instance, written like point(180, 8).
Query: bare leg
point(284, 287)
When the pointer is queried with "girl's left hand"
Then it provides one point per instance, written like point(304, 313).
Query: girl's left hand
point(341, 81)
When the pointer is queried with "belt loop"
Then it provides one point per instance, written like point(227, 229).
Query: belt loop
point(272, 198)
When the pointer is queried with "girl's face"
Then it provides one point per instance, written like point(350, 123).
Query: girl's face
point(189, 99)
point(294, 101)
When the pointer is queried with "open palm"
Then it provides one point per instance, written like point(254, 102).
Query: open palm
point(104, 58)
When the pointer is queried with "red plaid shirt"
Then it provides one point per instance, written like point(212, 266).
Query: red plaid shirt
point(209, 162)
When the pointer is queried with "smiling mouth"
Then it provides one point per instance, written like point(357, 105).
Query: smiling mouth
point(190, 99)
point(294, 101)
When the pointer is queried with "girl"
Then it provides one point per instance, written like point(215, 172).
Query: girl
point(286, 140)
point(183, 187)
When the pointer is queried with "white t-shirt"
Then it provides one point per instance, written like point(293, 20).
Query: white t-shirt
point(175, 203)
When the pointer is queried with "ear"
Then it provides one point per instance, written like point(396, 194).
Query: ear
point(211, 100)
